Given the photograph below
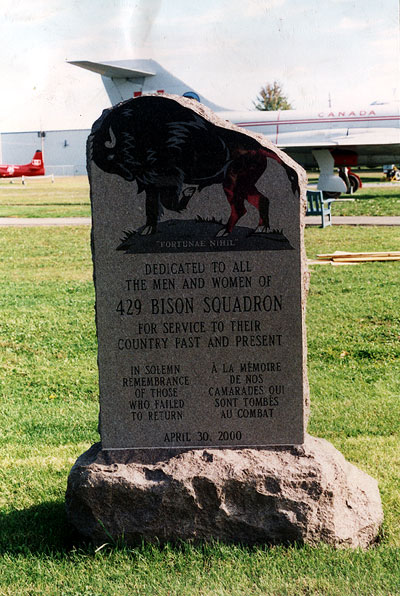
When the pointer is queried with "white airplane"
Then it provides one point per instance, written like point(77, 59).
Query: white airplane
point(368, 136)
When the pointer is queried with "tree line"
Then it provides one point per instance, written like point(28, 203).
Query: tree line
point(272, 97)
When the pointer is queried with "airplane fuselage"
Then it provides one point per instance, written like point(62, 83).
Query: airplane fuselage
point(340, 131)
point(34, 168)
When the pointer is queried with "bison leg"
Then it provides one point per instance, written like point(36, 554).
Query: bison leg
point(237, 211)
point(261, 203)
point(152, 212)
point(235, 199)
point(239, 186)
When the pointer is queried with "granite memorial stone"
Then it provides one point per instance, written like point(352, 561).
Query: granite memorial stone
point(201, 281)
point(198, 272)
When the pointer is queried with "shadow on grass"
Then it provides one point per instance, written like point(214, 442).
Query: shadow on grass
point(370, 196)
point(40, 529)
point(44, 529)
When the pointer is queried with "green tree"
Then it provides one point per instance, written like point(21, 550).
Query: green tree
point(271, 97)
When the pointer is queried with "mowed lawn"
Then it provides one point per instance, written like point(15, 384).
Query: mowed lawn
point(49, 409)
point(373, 200)
point(69, 197)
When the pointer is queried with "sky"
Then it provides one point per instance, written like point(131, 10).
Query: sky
point(345, 51)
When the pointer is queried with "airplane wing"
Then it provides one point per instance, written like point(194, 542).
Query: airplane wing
point(371, 146)
point(353, 138)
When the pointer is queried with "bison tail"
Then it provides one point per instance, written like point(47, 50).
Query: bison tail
point(293, 179)
point(290, 172)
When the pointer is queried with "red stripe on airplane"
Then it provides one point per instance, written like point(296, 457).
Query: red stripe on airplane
point(314, 121)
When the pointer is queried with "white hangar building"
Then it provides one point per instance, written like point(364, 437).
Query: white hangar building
point(64, 151)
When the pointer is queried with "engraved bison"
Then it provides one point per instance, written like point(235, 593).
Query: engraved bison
point(163, 146)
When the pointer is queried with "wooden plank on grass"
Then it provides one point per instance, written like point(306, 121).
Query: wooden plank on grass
point(360, 256)
point(363, 259)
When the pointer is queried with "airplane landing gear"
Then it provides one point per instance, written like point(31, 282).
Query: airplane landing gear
point(351, 180)
point(332, 185)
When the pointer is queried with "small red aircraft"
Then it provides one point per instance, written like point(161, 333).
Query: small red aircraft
point(34, 168)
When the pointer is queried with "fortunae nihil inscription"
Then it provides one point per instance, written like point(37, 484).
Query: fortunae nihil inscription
point(197, 253)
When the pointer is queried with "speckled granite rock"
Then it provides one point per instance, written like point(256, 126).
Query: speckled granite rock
point(275, 495)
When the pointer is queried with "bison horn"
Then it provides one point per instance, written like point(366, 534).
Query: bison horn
point(111, 144)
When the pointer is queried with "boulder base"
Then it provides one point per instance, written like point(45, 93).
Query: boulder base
point(307, 494)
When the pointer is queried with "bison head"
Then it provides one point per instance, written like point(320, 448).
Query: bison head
point(114, 148)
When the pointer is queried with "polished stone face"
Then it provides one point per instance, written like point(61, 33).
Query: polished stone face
point(198, 262)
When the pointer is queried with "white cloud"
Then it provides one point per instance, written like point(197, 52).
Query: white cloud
point(225, 11)
point(349, 24)
point(21, 12)
point(225, 48)
point(194, 20)
point(388, 44)
point(137, 22)
point(254, 8)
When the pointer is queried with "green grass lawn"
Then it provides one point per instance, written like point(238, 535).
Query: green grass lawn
point(69, 197)
point(66, 197)
point(384, 200)
point(370, 201)
point(49, 408)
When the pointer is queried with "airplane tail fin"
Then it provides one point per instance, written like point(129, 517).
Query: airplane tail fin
point(37, 164)
point(124, 79)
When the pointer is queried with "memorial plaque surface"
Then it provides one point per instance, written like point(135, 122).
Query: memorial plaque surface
point(197, 253)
